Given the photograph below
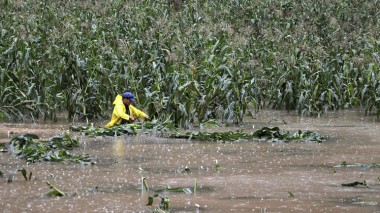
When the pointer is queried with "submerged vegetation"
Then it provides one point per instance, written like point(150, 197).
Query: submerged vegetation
point(57, 149)
point(188, 61)
point(274, 134)
point(54, 191)
point(131, 129)
point(164, 205)
point(168, 130)
point(13, 174)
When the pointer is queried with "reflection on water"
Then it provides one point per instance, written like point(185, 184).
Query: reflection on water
point(253, 176)
point(119, 149)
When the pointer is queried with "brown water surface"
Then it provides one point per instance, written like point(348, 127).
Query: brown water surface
point(254, 176)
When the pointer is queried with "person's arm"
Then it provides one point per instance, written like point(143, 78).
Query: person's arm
point(120, 112)
point(138, 113)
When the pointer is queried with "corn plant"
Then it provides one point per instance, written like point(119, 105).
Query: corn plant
point(188, 61)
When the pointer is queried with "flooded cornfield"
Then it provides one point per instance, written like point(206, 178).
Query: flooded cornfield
point(239, 176)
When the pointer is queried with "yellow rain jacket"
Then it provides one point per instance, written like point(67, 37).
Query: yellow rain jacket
point(119, 114)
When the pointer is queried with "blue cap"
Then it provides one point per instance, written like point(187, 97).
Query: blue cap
point(129, 95)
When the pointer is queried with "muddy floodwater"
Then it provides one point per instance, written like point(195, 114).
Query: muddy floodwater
point(253, 176)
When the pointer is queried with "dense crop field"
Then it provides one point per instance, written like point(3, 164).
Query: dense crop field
point(190, 60)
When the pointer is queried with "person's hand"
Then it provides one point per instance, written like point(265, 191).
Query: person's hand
point(131, 119)
point(147, 118)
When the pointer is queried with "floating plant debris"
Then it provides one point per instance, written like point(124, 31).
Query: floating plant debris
point(290, 194)
point(144, 184)
point(54, 191)
point(27, 146)
point(3, 147)
point(167, 188)
point(164, 205)
point(274, 134)
point(23, 172)
point(358, 201)
point(344, 164)
point(130, 129)
point(366, 203)
point(356, 183)
point(13, 174)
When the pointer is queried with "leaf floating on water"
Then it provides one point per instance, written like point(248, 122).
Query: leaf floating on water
point(356, 183)
point(290, 194)
point(55, 191)
point(167, 188)
point(366, 203)
point(344, 164)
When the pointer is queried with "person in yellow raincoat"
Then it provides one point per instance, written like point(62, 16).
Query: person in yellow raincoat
point(124, 112)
